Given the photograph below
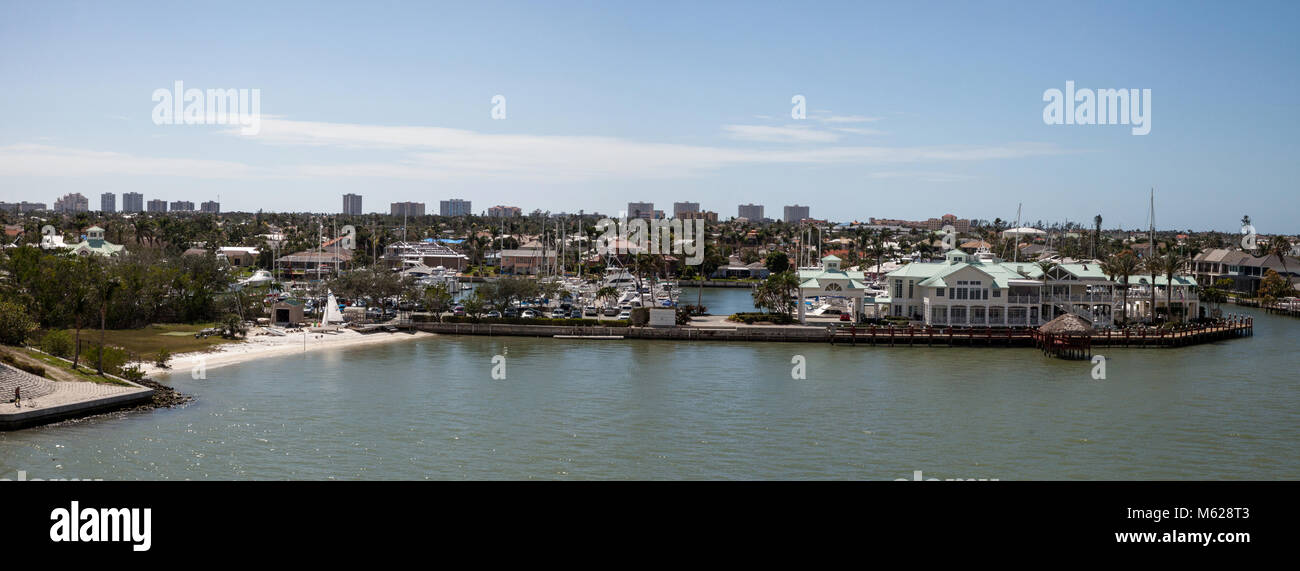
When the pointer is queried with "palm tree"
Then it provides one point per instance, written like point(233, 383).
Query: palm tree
point(78, 298)
point(1096, 236)
point(1280, 246)
point(105, 291)
point(1171, 264)
point(1153, 265)
point(1122, 265)
point(1046, 266)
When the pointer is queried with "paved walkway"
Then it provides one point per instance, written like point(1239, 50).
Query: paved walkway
point(38, 392)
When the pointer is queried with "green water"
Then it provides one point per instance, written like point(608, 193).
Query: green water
point(430, 409)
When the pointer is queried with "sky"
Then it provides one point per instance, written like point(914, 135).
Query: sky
point(911, 109)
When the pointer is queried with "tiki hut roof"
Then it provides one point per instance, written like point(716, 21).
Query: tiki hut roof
point(1068, 323)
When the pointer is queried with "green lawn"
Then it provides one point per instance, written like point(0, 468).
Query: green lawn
point(57, 369)
point(145, 342)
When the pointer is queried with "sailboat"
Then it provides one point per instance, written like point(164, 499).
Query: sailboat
point(332, 313)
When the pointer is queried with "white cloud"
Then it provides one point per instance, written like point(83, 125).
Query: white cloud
point(46, 160)
point(786, 134)
point(847, 119)
point(438, 153)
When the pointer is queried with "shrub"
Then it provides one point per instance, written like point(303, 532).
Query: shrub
point(640, 316)
point(131, 373)
point(163, 358)
point(114, 358)
point(16, 325)
point(57, 343)
point(752, 318)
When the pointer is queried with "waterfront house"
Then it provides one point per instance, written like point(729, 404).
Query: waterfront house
point(982, 290)
point(1245, 270)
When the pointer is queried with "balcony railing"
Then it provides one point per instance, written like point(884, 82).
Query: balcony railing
point(1023, 299)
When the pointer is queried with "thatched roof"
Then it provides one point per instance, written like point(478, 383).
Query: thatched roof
point(1068, 323)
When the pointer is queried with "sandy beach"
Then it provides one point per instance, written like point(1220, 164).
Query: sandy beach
point(264, 346)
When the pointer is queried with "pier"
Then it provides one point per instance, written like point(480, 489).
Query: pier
point(869, 336)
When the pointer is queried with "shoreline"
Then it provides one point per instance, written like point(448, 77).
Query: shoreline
point(266, 346)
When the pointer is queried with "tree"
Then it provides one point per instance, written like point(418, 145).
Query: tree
point(79, 299)
point(777, 262)
point(104, 289)
point(1280, 246)
point(232, 326)
point(1153, 264)
point(16, 325)
point(1120, 267)
point(438, 298)
point(1096, 236)
point(777, 293)
point(1171, 264)
point(1273, 287)
point(1046, 266)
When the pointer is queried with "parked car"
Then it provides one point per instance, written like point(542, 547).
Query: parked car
point(591, 310)
point(493, 313)
point(844, 317)
point(575, 313)
point(528, 314)
point(625, 314)
point(557, 313)
point(511, 312)
point(458, 311)
point(611, 311)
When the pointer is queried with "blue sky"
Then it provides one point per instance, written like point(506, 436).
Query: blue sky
point(914, 109)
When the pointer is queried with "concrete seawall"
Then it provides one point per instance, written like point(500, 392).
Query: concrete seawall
point(866, 336)
point(44, 401)
point(724, 333)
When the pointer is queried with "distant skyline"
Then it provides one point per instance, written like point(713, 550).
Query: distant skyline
point(907, 115)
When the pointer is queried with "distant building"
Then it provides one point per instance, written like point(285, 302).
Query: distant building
point(108, 203)
point(157, 205)
point(352, 204)
point(706, 215)
point(681, 209)
point(644, 210)
point(408, 209)
point(795, 213)
point(210, 207)
point(752, 212)
point(454, 207)
point(73, 202)
point(961, 225)
point(182, 206)
point(132, 202)
point(499, 211)
point(22, 206)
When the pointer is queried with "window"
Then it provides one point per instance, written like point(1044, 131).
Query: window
point(939, 292)
point(997, 292)
point(910, 283)
point(898, 289)
point(986, 293)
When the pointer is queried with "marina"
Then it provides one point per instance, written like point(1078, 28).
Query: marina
point(618, 409)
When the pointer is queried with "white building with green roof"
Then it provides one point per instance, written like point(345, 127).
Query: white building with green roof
point(96, 244)
point(981, 290)
point(833, 281)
